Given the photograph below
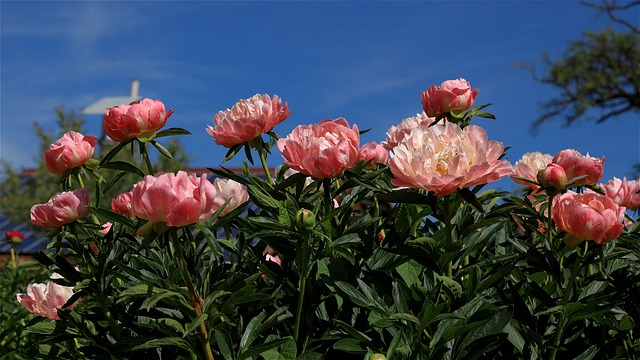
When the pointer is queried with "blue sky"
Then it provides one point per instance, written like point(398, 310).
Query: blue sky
point(365, 61)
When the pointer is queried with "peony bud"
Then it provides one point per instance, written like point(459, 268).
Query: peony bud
point(378, 356)
point(553, 178)
point(305, 219)
point(14, 237)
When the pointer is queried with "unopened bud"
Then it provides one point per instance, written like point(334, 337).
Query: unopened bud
point(14, 237)
point(378, 356)
point(305, 219)
point(553, 178)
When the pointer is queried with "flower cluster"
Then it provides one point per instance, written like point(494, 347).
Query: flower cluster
point(345, 250)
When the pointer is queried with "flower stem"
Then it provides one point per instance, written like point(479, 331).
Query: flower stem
point(265, 167)
point(550, 220)
point(565, 299)
point(328, 202)
point(304, 269)
point(204, 334)
point(14, 263)
point(145, 156)
point(449, 238)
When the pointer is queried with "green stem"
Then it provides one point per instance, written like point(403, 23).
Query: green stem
point(14, 263)
point(328, 200)
point(263, 160)
point(447, 225)
point(145, 157)
point(304, 269)
point(195, 301)
point(550, 221)
point(565, 299)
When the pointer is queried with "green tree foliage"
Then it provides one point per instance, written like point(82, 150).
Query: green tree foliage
point(22, 189)
point(598, 76)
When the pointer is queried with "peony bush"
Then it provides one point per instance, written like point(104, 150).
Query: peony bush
point(390, 250)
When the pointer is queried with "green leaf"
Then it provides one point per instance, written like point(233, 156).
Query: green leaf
point(515, 338)
point(167, 341)
point(162, 149)
point(257, 350)
point(223, 340)
point(171, 132)
point(405, 196)
point(250, 332)
point(124, 166)
point(410, 273)
point(351, 346)
point(194, 324)
point(588, 354)
point(627, 323)
point(112, 216)
point(593, 288)
point(111, 154)
point(405, 317)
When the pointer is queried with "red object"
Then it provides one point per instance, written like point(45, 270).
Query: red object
point(14, 237)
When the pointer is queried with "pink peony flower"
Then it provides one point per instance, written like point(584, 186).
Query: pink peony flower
point(227, 189)
point(247, 120)
point(443, 158)
point(395, 134)
point(624, 192)
point(528, 167)
point(451, 96)
point(175, 199)
point(139, 119)
point(575, 164)
point(70, 151)
point(588, 216)
point(375, 153)
point(273, 258)
point(122, 204)
point(45, 299)
point(324, 150)
point(63, 208)
point(553, 178)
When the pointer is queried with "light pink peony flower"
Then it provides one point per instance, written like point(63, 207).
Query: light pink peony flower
point(528, 166)
point(623, 192)
point(139, 119)
point(122, 204)
point(451, 96)
point(63, 208)
point(575, 164)
point(443, 158)
point(375, 153)
point(324, 150)
point(70, 151)
point(45, 299)
point(175, 199)
point(227, 189)
point(588, 216)
point(395, 134)
point(247, 120)
point(273, 258)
